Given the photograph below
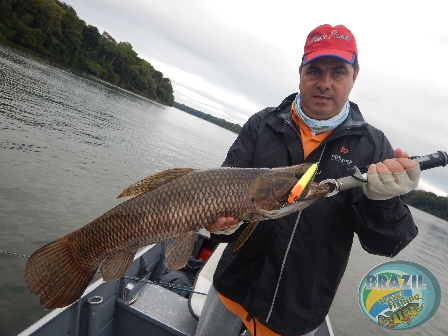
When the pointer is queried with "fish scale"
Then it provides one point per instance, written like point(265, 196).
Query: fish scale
point(171, 204)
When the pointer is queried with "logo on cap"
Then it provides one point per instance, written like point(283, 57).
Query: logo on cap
point(333, 33)
point(327, 40)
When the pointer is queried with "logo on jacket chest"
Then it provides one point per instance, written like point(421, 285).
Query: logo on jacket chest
point(339, 159)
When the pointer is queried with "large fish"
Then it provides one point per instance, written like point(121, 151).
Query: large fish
point(171, 204)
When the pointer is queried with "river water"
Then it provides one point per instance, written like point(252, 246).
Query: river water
point(69, 144)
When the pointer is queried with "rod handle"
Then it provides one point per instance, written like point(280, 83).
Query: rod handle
point(437, 159)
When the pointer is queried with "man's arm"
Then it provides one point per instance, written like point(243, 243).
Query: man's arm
point(383, 222)
point(392, 177)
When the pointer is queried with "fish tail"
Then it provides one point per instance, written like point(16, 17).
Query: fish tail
point(55, 272)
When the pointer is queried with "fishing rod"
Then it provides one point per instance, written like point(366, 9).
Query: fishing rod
point(358, 179)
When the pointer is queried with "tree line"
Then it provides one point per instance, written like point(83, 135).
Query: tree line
point(428, 202)
point(214, 120)
point(53, 28)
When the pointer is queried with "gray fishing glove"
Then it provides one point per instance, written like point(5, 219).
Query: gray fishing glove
point(385, 186)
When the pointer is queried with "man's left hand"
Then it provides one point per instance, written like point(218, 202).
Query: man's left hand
point(392, 177)
point(224, 225)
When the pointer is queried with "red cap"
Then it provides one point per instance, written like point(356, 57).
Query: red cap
point(326, 40)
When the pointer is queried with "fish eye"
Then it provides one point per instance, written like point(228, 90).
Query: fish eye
point(298, 175)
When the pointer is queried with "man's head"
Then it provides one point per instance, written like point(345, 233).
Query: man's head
point(328, 71)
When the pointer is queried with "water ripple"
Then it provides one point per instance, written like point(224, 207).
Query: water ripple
point(69, 145)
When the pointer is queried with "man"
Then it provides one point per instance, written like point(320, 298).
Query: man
point(282, 281)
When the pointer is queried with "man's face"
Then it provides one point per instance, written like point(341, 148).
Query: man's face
point(325, 84)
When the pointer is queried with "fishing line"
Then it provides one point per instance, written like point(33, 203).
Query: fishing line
point(162, 284)
point(283, 266)
point(287, 250)
point(14, 254)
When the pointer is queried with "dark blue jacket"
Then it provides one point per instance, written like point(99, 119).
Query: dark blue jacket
point(287, 276)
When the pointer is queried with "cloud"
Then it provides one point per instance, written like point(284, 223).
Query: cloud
point(428, 186)
point(197, 90)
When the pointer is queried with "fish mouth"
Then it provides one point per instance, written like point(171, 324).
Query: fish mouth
point(312, 192)
point(315, 190)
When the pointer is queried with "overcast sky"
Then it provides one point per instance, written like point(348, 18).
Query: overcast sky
point(232, 58)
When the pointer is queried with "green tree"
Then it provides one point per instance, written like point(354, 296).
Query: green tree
point(71, 40)
point(54, 28)
point(126, 63)
point(428, 202)
point(91, 38)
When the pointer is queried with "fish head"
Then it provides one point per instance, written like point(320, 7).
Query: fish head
point(271, 190)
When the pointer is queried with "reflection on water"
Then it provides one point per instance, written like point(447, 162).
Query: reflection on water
point(69, 145)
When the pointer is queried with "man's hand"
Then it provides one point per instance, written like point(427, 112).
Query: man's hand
point(224, 225)
point(392, 177)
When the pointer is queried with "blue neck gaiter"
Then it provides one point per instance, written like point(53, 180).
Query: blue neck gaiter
point(320, 126)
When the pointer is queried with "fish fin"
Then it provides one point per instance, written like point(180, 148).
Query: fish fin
point(54, 272)
point(406, 319)
point(245, 235)
point(178, 252)
point(114, 266)
point(152, 182)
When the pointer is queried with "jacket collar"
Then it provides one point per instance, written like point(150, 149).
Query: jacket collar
point(283, 123)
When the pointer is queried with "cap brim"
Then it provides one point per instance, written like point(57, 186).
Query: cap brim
point(346, 56)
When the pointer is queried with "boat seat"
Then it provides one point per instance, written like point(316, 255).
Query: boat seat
point(203, 281)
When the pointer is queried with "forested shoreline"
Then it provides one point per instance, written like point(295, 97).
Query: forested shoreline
point(53, 28)
point(214, 120)
point(428, 202)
